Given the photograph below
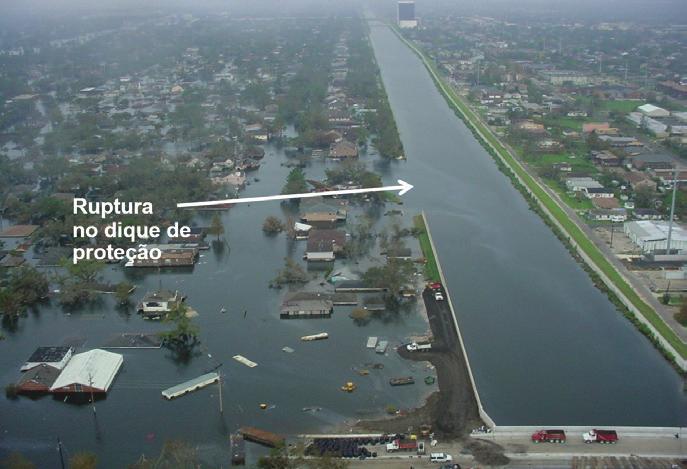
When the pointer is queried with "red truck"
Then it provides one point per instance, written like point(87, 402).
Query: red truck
point(600, 436)
point(401, 445)
point(548, 436)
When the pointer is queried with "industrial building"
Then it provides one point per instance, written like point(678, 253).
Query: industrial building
point(406, 14)
point(651, 236)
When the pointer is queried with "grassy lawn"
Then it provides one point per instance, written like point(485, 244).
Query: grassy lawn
point(431, 269)
point(569, 123)
point(556, 211)
point(621, 105)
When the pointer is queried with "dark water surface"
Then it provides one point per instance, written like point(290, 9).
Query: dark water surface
point(546, 346)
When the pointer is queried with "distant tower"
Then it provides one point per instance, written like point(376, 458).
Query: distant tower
point(406, 14)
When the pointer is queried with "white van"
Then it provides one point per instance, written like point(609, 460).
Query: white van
point(440, 457)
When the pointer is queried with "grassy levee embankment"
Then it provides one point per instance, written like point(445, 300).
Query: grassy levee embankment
point(431, 269)
point(555, 211)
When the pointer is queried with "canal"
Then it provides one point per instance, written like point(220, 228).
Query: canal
point(545, 345)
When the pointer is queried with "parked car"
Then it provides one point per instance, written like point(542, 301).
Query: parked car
point(438, 296)
point(440, 457)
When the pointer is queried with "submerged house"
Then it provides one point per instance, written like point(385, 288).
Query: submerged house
point(306, 306)
point(88, 372)
point(156, 304)
point(38, 379)
point(56, 357)
point(325, 245)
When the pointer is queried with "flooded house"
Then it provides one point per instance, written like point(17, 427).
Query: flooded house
point(157, 303)
point(294, 307)
point(325, 245)
point(56, 357)
point(88, 372)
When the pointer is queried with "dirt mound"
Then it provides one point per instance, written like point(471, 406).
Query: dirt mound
point(487, 452)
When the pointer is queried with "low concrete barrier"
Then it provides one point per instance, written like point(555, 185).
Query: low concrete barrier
point(505, 431)
point(482, 413)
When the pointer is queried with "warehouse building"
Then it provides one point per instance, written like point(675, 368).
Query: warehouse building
point(651, 236)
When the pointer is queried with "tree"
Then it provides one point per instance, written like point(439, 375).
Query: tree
point(272, 225)
point(392, 276)
point(123, 291)
point(291, 273)
point(295, 182)
point(184, 336)
point(25, 287)
point(216, 227)
point(83, 460)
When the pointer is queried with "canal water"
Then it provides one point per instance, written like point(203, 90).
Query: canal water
point(134, 419)
point(546, 346)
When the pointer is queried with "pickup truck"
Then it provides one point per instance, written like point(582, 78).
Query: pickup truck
point(600, 436)
point(548, 436)
point(401, 445)
point(413, 347)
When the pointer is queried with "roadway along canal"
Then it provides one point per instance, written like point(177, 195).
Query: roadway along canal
point(545, 345)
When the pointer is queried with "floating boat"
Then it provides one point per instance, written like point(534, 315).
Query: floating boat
point(245, 361)
point(371, 342)
point(320, 336)
point(349, 387)
point(223, 310)
point(402, 381)
point(381, 346)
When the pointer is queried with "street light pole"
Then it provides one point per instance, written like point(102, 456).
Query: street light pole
point(672, 213)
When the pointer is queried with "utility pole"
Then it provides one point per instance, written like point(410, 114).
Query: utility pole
point(612, 231)
point(90, 385)
point(672, 212)
point(221, 408)
point(59, 448)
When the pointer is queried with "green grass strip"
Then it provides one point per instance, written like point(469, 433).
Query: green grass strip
point(431, 269)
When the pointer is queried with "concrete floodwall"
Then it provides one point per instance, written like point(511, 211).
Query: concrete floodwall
point(482, 413)
point(635, 432)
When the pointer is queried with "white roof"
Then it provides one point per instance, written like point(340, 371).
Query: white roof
point(96, 368)
point(301, 226)
point(647, 230)
point(649, 108)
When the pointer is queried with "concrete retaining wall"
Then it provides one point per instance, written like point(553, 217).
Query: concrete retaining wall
point(482, 413)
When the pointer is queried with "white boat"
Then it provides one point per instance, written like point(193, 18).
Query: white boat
point(320, 336)
point(371, 342)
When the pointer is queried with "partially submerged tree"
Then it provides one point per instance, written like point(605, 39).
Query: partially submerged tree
point(272, 225)
point(291, 273)
point(216, 227)
point(184, 336)
point(295, 182)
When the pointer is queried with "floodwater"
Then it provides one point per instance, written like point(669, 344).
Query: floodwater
point(546, 347)
point(135, 419)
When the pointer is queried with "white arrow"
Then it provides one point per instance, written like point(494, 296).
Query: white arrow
point(403, 187)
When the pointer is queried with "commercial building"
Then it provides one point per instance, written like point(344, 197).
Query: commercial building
point(651, 236)
point(406, 14)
